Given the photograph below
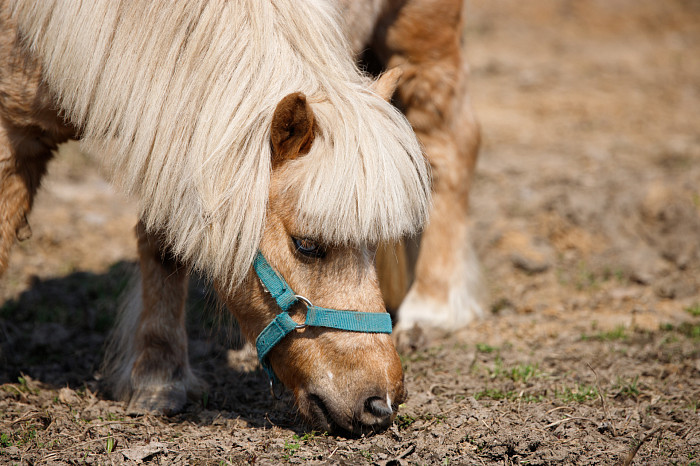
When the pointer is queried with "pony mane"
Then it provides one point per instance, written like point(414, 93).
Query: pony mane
point(177, 99)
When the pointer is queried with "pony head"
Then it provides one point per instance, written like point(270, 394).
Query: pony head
point(342, 381)
point(245, 126)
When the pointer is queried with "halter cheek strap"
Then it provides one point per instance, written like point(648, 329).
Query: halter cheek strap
point(316, 316)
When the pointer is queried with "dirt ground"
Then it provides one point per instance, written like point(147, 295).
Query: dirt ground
point(586, 215)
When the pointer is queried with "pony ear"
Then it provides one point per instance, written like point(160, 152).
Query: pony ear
point(292, 128)
point(386, 84)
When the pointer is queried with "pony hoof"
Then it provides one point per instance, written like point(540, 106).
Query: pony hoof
point(165, 400)
point(410, 340)
point(429, 313)
point(417, 338)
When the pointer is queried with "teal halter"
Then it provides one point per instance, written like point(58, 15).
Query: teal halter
point(316, 316)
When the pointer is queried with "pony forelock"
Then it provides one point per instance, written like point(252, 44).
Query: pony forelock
point(363, 181)
point(178, 97)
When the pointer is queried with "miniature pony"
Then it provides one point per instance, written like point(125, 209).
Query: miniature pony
point(424, 39)
point(244, 129)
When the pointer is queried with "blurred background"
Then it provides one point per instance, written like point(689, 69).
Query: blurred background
point(585, 216)
point(588, 183)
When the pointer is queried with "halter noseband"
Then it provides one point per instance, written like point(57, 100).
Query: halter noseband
point(316, 316)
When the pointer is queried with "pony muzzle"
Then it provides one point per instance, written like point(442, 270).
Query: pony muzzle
point(319, 398)
point(372, 412)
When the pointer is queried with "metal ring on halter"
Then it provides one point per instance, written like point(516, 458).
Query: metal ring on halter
point(272, 390)
point(308, 304)
point(303, 300)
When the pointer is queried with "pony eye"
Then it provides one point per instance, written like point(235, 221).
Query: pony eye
point(308, 247)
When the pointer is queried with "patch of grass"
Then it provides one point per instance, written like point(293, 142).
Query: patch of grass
point(308, 436)
point(669, 339)
point(523, 372)
point(114, 417)
point(28, 435)
point(23, 387)
point(693, 310)
point(418, 356)
point(109, 447)
point(518, 373)
point(615, 274)
point(686, 328)
point(293, 445)
point(434, 417)
point(585, 278)
point(578, 394)
point(22, 384)
point(531, 398)
point(484, 348)
point(497, 370)
point(690, 330)
point(494, 394)
point(511, 395)
point(627, 388)
point(20, 438)
point(290, 448)
point(404, 421)
point(618, 333)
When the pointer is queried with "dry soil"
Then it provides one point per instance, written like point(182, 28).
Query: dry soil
point(586, 217)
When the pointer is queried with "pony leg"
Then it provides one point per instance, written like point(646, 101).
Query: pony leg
point(23, 163)
point(424, 40)
point(393, 273)
point(147, 360)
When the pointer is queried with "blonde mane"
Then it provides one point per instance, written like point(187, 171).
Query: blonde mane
point(177, 98)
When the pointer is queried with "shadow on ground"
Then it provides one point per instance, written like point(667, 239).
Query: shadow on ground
point(54, 334)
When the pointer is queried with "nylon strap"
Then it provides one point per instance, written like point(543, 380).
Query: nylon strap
point(354, 321)
point(316, 316)
point(273, 283)
point(270, 336)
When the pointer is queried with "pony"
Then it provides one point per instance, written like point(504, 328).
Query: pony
point(425, 39)
point(245, 129)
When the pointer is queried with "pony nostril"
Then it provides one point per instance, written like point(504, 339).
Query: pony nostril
point(378, 407)
point(375, 415)
point(370, 415)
